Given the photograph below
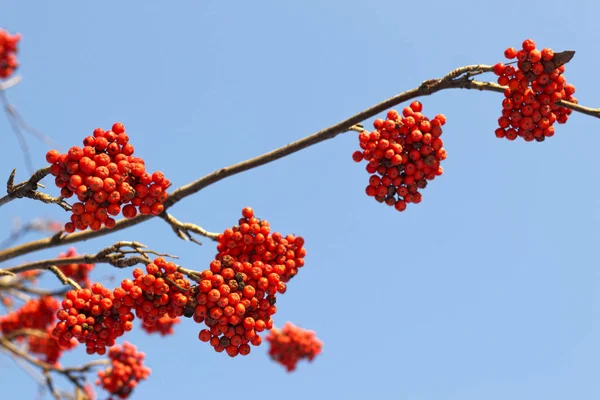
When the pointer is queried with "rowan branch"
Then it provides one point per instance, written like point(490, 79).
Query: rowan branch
point(12, 81)
point(184, 230)
point(115, 255)
point(29, 189)
point(73, 374)
point(460, 78)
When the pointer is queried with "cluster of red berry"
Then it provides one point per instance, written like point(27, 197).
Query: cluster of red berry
point(164, 325)
point(161, 291)
point(105, 176)
point(8, 53)
point(37, 314)
point(292, 344)
point(529, 110)
point(48, 346)
point(403, 153)
point(236, 296)
point(126, 370)
point(78, 272)
point(34, 314)
point(90, 316)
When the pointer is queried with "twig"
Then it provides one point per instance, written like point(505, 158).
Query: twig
point(33, 290)
point(13, 81)
point(50, 385)
point(459, 78)
point(73, 374)
point(193, 275)
point(29, 189)
point(35, 225)
point(185, 229)
point(114, 255)
point(62, 277)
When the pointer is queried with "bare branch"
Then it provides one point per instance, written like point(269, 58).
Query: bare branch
point(193, 275)
point(115, 255)
point(73, 374)
point(13, 81)
point(185, 229)
point(63, 278)
point(29, 189)
point(35, 225)
point(460, 78)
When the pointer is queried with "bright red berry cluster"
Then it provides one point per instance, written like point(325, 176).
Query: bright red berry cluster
point(164, 325)
point(8, 53)
point(90, 316)
point(127, 369)
point(107, 179)
point(529, 110)
point(48, 346)
point(37, 314)
point(293, 344)
point(161, 291)
point(78, 272)
point(403, 153)
point(34, 314)
point(236, 296)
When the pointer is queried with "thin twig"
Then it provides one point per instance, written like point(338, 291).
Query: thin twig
point(459, 78)
point(35, 225)
point(114, 255)
point(62, 277)
point(29, 188)
point(185, 229)
point(13, 81)
point(73, 374)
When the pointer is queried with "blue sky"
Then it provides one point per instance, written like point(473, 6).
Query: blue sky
point(488, 289)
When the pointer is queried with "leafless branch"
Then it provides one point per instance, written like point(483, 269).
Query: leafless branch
point(29, 188)
point(73, 374)
point(460, 78)
point(185, 229)
point(115, 255)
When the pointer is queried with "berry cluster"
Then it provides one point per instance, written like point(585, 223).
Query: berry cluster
point(78, 272)
point(37, 314)
point(126, 370)
point(236, 296)
point(107, 179)
point(293, 344)
point(48, 346)
point(529, 110)
point(164, 325)
point(403, 153)
point(91, 317)
point(8, 53)
point(161, 291)
point(34, 314)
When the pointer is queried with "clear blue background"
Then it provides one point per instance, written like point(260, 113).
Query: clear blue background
point(488, 289)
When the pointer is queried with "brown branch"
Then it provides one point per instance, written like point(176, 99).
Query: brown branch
point(459, 78)
point(185, 229)
point(33, 290)
point(73, 374)
point(193, 275)
point(114, 255)
point(62, 277)
point(29, 189)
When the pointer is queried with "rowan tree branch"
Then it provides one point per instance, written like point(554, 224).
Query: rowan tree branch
point(73, 374)
point(29, 189)
point(460, 78)
point(115, 255)
point(185, 229)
